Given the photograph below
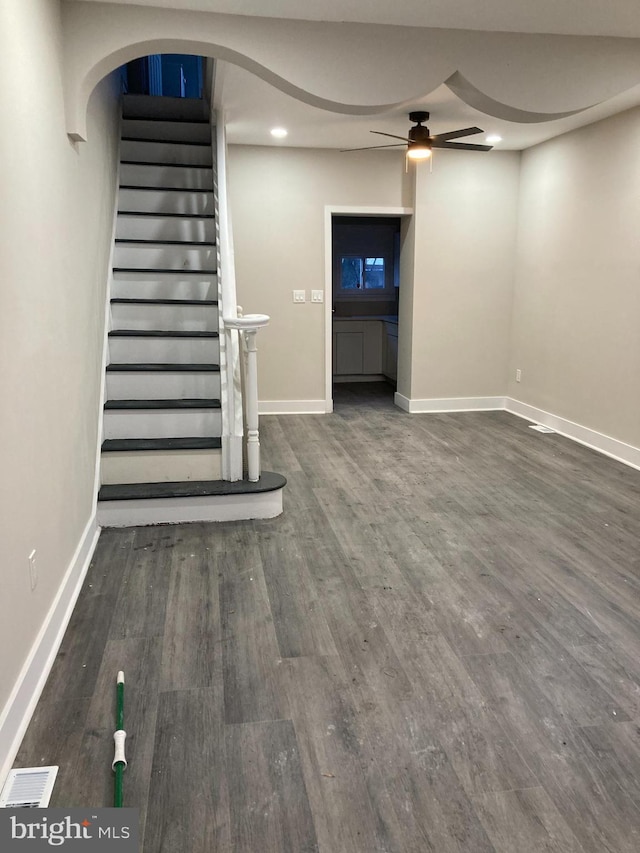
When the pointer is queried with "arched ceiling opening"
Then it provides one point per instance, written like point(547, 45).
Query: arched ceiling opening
point(356, 69)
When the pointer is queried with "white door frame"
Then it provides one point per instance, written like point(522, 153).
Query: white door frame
point(331, 210)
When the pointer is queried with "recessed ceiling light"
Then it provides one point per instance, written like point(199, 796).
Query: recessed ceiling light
point(493, 139)
point(279, 132)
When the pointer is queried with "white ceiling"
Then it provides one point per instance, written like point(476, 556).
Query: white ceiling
point(252, 106)
point(566, 17)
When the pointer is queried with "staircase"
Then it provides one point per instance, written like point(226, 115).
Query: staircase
point(162, 444)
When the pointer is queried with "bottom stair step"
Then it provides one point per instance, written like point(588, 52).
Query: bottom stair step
point(191, 488)
point(132, 504)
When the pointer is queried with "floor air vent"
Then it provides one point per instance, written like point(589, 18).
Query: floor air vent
point(541, 428)
point(28, 788)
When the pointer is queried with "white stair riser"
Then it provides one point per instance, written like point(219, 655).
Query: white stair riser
point(166, 176)
point(176, 131)
point(185, 318)
point(165, 228)
point(162, 423)
point(166, 466)
point(165, 152)
point(162, 386)
point(146, 286)
point(160, 201)
point(166, 257)
point(175, 510)
point(164, 350)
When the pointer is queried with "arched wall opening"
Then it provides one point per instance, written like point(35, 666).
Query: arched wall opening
point(338, 66)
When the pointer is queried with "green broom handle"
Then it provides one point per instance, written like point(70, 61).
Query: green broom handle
point(119, 760)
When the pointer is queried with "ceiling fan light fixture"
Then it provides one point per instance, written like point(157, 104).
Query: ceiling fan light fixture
point(419, 152)
point(279, 132)
point(493, 139)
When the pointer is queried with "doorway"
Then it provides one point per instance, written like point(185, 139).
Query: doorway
point(365, 287)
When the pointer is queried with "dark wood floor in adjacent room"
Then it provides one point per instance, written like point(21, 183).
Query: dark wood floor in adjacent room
point(435, 648)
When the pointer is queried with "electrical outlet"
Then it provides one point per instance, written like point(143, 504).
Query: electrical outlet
point(33, 571)
point(299, 296)
point(518, 375)
point(317, 295)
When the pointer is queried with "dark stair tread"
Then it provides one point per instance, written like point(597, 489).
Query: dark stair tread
point(156, 214)
point(268, 482)
point(163, 165)
point(120, 300)
point(165, 189)
point(175, 272)
point(164, 141)
point(144, 367)
point(122, 445)
point(159, 333)
point(139, 242)
point(187, 403)
point(167, 120)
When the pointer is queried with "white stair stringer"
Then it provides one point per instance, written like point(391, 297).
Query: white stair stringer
point(164, 395)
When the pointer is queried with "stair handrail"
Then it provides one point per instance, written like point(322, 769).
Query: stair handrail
point(230, 379)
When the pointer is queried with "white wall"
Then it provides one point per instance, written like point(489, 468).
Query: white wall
point(456, 270)
point(576, 320)
point(465, 231)
point(278, 198)
point(55, 230)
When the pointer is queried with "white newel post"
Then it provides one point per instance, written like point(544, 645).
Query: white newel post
point(248, 325)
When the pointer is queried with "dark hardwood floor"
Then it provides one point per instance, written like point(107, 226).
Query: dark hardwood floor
point(435, 648)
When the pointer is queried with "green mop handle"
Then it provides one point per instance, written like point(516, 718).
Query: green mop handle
point(119, 760)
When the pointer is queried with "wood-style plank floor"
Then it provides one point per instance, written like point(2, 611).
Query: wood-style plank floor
point(435, 648)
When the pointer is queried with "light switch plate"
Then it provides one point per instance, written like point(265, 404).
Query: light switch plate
point(299, 296)
point(317, 295)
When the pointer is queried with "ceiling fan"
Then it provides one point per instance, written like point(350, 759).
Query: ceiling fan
point(420, 142)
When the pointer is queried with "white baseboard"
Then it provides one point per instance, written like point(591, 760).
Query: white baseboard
point(449, 404)
point(20, 706)
point(612, 447)
point(292, 407)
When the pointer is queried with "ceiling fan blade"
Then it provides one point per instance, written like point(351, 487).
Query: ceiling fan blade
point(461, 146)
point(392, 135)
point(374, 147)
point(456, 134)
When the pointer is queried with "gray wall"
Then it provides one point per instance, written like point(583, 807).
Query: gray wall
point(576, 319)
point(55, 232)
